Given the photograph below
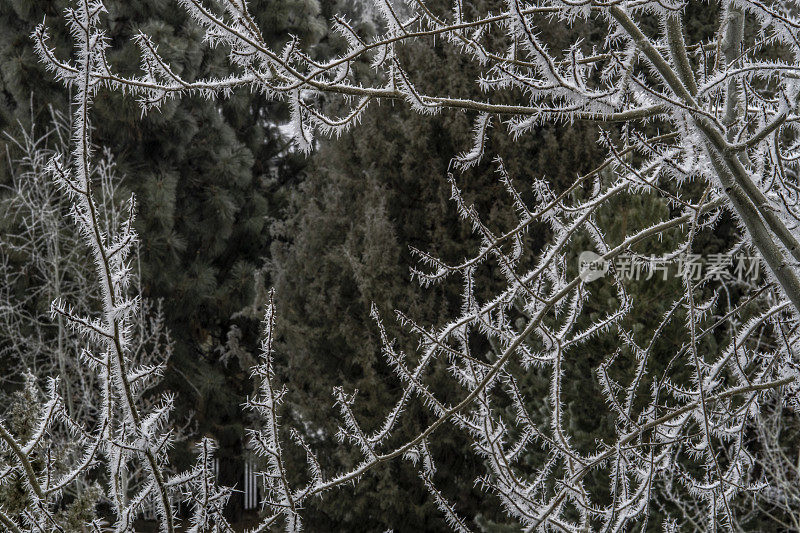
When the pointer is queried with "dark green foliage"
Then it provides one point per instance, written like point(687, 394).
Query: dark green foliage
point(25, 88)
point(365, 199)
point(22, 415)
point(22, 418)
point(208, 173)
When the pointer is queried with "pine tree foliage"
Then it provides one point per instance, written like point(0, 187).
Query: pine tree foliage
point(727, 111)
point(366, 197)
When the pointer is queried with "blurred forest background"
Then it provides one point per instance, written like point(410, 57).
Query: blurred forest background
point(227, 209)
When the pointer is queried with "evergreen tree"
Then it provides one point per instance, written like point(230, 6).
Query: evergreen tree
point(365, 199)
